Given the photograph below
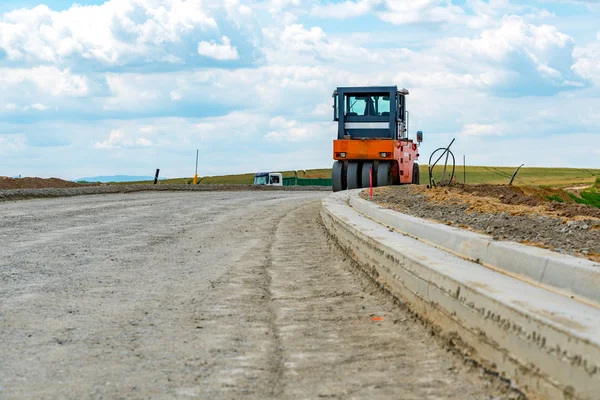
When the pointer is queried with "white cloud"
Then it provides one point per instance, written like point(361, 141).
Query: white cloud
point(588, 61)
point(119, 32)
point(217, 51)
point(480, 130)
point(174, 134)
point(399, 12)
point(229, 128)
point(10, 144)
point(298, 45)
point(588, 66)
point(410, 11)
point(39, 107)
point(296, 38)
point(48, 80)
point(323, 109)
point(266, 89)
point(277, 6)
point(143, 142)
point(513, 35)
point(444, 79)
point(289, 130)
point(147, 129)
point(11, 106)
point(132, 92)
point(517, 56)
point(346, 9)
point(118, 139)
point(488, 7)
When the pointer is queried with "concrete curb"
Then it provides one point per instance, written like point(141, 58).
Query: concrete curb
point(569, 275)
point(546, 343)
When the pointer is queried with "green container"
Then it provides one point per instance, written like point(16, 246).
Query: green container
point(314, 182)
point(289, 181)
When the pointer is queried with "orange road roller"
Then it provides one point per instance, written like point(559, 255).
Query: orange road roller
point(372, 142)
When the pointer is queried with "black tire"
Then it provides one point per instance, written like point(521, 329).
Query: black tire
point(416, 179)
point(353, 176)
point(366, 169)
point(384, 174)
point(338, 176)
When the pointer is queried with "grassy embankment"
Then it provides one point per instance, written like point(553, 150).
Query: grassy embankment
point(555, 177)
point(590, 196)
point(241, 179)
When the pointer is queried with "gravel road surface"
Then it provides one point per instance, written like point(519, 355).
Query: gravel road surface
point(204, 295)
point(46, 192)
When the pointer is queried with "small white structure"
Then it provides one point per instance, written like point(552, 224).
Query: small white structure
point(268, 178)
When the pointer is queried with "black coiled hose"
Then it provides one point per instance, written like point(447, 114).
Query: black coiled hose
point(445, 152)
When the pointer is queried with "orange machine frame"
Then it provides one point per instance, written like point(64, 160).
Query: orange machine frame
point(403, 152)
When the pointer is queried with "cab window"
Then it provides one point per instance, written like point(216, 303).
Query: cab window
point(356, 105)
point(381, 105)
point(367, 105)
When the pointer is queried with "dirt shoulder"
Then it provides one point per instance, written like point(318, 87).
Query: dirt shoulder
point(25, 194)
point(519, 214)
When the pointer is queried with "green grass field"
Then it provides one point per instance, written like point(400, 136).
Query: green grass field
point(555, 177)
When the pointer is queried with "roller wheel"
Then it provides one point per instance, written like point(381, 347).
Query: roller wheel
point(353, 176)
point(384, 174)
point(366, 169)
point(416, 179)
point(338, 176)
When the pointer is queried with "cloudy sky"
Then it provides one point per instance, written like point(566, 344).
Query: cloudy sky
point(127, 86)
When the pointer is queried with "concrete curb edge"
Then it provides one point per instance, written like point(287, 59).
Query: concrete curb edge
point(571, 276)
point(546, 343)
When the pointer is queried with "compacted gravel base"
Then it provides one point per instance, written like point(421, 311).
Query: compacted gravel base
point(224, 295)
point(579, 237)
point(24, 194)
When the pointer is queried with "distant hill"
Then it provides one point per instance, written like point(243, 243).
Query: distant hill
point(117, 178)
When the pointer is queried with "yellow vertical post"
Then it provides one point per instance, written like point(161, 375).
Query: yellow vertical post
point(196, 174)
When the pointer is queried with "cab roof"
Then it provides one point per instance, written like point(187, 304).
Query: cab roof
point(368, 89)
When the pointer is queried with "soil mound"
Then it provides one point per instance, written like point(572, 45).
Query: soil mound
point(548, 201)
point(528, 215)
point(34, 183)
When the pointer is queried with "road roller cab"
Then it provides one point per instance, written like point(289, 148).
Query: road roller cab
point(372, 139)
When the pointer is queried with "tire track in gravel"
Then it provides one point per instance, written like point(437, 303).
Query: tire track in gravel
point(240, 345)
point(277, 356)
